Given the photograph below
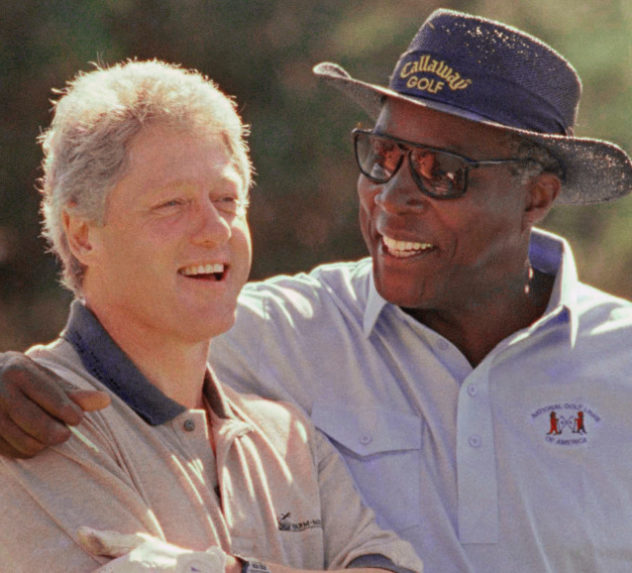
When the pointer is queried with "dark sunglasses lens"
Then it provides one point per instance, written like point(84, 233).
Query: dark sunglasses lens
point(441, 174)
point(438, 174)
point(378, 158)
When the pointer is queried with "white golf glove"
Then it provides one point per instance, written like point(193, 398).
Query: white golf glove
point(142, 553)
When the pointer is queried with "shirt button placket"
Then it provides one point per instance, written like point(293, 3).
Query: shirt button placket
point(478, 497)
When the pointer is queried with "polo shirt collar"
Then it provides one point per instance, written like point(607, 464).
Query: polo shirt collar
point(374, 306)
point(109, 364)
point(548, 253)
point(552, 254)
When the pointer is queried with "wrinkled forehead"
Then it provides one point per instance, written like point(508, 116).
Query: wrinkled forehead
point(210, 137)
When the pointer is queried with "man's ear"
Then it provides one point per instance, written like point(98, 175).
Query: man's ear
point(542, 192)
point(79, 237)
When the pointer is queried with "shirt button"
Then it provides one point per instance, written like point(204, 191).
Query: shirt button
point(472, 390)
point(442, 344)
point(475, 441)
point(365, 440)
point(189, 425)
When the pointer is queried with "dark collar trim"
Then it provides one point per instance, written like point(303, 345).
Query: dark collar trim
point(107, 362)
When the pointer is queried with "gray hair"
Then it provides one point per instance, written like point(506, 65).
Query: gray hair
point(97, 115)
point(538, 160)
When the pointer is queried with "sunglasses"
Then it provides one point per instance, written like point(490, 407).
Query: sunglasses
point(438, 173)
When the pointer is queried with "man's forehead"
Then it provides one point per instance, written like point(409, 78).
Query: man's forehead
point(420, 123)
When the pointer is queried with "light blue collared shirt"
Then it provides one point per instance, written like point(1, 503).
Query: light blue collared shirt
point(523, 463)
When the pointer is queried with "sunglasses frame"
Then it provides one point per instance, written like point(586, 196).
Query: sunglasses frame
point(407, 147)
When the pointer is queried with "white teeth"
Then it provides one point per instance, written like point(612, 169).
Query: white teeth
point(404, 248)
point(209, 269)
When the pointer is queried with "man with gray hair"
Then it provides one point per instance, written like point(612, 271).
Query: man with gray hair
point(145, 194)
point(478, 391)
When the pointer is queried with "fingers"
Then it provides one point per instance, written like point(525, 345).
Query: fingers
point(23, 381)
point(34, 407)
point(16, 443)
point(27, 446)
point(28, 429)
point(90, 400)
point(109, 543)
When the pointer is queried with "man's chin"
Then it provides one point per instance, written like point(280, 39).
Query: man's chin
point(406, 296)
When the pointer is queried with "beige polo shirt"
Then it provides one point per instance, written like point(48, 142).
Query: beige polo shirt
point(276, 490)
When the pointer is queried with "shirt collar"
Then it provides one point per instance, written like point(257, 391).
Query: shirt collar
point(552, 254)
point(375, 304)
point(548, 253)
point(109, 364)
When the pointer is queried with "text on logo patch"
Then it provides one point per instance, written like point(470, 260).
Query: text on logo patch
point(285, 524)
point(565, 424)
point(413, 70)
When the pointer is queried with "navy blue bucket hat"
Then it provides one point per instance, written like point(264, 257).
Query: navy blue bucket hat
point(491, 73)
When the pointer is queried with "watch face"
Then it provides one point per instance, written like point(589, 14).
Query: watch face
point(254, 567)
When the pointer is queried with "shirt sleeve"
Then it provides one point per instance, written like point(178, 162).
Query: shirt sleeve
point(352, 536)
point(377, 561)
point(258, 364)
point(266, 351)
point(155, 556)
point(47, 498)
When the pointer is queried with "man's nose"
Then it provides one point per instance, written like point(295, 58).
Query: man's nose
point(211, 226)
point(400, 193)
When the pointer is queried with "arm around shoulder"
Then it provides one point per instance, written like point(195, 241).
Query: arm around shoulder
point(36, 405)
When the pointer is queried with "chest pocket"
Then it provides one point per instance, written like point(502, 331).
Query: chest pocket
point(382, 449)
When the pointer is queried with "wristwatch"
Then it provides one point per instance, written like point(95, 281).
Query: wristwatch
point(251, 566)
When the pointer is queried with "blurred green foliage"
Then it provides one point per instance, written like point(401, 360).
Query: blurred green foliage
point(262, 51)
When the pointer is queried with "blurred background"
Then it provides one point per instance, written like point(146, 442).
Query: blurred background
point(261, 51)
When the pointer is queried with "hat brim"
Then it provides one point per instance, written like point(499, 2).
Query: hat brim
point(596, 171)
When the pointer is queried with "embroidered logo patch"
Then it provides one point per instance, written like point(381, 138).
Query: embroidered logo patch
point(422, 72)
point(286, 525)
point(565, 424)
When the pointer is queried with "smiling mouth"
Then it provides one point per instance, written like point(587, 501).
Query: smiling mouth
point(212, 272)
point(405, 249)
